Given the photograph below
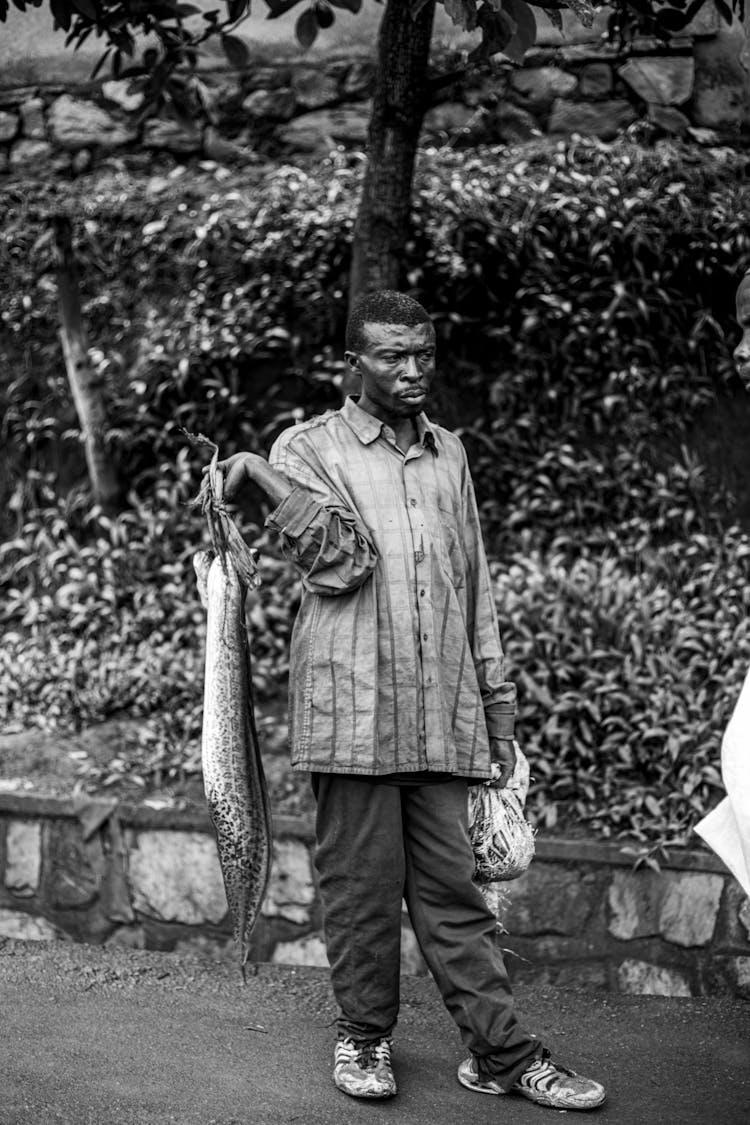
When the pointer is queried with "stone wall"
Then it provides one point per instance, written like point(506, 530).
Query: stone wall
point(694, 87)
point(581, 916)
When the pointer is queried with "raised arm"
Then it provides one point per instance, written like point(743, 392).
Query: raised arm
point(325, 540)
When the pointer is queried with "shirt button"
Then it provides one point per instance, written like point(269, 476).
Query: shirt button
point(424, 637)
point(413, 502)
point(421, 593)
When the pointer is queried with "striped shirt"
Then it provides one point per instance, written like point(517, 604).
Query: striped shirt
point(396, 664)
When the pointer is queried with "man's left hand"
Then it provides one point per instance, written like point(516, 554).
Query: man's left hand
point(502, 752)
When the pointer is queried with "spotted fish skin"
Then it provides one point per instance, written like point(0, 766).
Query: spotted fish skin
point(233, 777)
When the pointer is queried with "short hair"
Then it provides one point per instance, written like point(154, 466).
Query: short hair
point(383, 306)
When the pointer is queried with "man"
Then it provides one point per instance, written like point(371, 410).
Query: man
point(398, 700)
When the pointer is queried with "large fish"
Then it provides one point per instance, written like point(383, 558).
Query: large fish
point(233, 777)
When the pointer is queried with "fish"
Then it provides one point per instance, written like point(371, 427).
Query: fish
point(233, 778)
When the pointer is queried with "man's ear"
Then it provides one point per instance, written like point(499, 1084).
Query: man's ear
point(352, 358)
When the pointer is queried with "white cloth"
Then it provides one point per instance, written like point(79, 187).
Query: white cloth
point(726, 828)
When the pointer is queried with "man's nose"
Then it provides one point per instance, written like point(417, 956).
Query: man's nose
point(411, 368)
point(742, 351)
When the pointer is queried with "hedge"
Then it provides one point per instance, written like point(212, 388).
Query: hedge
point(583, 296)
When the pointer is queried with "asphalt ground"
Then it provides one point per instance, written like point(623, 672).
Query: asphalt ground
point(92, 1036)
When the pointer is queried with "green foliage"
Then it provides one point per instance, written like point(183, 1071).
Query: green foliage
point(627, 673)
point(583, 298)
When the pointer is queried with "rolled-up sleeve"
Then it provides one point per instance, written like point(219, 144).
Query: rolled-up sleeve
point(325, 540)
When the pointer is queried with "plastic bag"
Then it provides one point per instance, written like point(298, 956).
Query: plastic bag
point(502, 838)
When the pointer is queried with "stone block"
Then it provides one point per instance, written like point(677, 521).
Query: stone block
point(744, 915)
point(119, 92)
point(81, 161)
point(669, 120)
point(641, 978)
point(742, 971)
point(127, 937)
point(596, 80)
point(291, 890)
point(321, 130)
point(460, 125)
point(172, 137)
point(224, 151)
point(73, 882)
point(176, 877)
point(23, 857)
point(690, 907)
point(26, 927)
point(8, 126)
point(599, 119)
point(314, 88)
point(267, 78)
point(660, 81)
point(310, 950)
point(721, 97)
point(270, 105)
point(681, 906)
point(33, 124)
point(74, 123)
point(30, 155)
point(549, 899)
point(541, 85)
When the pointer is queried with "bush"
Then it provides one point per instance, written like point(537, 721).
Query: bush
point(627, 676)
point(583, 296)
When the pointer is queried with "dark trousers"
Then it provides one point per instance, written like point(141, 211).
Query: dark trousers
point(376, 845)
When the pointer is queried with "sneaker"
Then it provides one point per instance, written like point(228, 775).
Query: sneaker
point(364, 1069)
point(543, 1082)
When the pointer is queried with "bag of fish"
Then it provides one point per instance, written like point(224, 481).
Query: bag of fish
point(502, 838)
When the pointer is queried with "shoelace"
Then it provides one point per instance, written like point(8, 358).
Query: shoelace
point(543, 1072)
point(367, 1054)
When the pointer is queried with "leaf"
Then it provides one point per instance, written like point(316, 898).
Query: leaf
point(62, 13)
point(462, 12)
point(524, 17)
point(584, 9)
point(324, 14)
point(102, 59)
point(348, 5)
point(236, 50)
point(280, 7)
point(306, 28)
point(184, 11)
point(87, 8)
point(498, 28)
point(236, 9)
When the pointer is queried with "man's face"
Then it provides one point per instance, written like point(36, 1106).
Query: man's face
point(742, 351)
point(397, 366)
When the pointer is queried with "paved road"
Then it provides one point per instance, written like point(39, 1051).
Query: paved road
point(104, 1037)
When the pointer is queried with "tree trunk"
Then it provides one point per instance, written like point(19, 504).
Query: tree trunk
point(85, 384)
point(399, 106)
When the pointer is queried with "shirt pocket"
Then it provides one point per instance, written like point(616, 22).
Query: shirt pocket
point(450, 550)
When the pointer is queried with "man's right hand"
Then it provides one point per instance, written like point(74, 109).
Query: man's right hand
point(232, 475)
point(235, 473)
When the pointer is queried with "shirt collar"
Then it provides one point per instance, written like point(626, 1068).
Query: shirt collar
point(367, 428)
